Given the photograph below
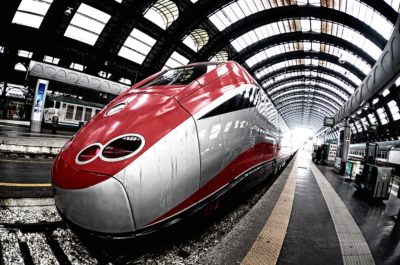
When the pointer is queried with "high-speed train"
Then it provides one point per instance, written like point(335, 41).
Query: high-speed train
point(166, 148)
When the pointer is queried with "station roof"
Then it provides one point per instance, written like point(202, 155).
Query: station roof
point(308, 55)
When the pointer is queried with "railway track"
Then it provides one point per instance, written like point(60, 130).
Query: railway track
point(35, 234)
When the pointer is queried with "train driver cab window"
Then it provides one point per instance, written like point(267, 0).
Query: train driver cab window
point(180, 76)
point(70, 112)
point(97, 111)
point(58, 103)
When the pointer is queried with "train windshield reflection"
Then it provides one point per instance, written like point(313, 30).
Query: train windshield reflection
point(181, 75)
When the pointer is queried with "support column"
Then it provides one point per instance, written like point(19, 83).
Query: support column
point(346, 145)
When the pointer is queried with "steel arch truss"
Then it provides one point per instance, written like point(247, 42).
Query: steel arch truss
point(304, 91)
point(298, 36)
point(310, 82)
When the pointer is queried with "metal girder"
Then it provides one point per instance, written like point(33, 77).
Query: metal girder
point(298, 119)
point(302, 102)
point(302, 113)
point(303, 91)
point(305, 88)
point(301, 109)
point(312, 68)
point(294, 120)
point(316, 105)
point(301, 36)
point(322, 56)
point(271, 15)
point(384, 72)
point(310, 78)
point(311, 99)
point(327, 104)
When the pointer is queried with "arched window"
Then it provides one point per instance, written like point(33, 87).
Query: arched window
point(197, 39)
point(20, 67)
point(162, 13)
point(221, 56)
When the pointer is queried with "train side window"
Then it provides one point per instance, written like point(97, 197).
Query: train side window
point(58, 103)
point(70, 112)
point(78, 113)
point(63, 106)
point(88, 114)
point(97, 111)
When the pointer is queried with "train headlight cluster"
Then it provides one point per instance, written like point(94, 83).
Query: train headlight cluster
point(88, 154)
point(122, 147)
point(119, 148)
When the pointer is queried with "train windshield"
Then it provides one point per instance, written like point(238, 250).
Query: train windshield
point(181, 76)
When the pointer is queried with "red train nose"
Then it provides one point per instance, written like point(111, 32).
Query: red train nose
point(66, 176)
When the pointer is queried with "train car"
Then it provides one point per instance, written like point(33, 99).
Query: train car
point(167, 147)
point(388, 154)
point(71, 111)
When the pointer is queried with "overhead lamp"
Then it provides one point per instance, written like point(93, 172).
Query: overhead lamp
point(341, 59)
point(68, 11)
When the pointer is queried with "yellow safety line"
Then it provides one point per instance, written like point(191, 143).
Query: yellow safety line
point(266, 249)
point(9, 184)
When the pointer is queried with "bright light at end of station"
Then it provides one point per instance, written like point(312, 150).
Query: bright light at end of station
point(300, 136)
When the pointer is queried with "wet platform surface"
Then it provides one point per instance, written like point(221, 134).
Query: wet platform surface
point(330, 223)
point(14, 128)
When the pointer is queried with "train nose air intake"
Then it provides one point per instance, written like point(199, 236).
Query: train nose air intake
point(123, 147)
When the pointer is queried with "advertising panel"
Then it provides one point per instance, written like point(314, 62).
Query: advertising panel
point(38, 105)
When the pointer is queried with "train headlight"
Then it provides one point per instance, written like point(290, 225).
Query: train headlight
point(122, 147)
point(117, 108)
point(88, 154)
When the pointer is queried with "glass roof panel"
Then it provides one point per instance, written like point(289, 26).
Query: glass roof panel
point(264, 71)
point(303, 74)
point(307, 83)
point(221, 56)
point(176, 60)
point(308, 99)
point(315, 46)
point(31, 12)
point(162, 13)
point(305, 91)
point(87, 24)
point(309, 103)
point(324, 26)
point(137, 46)
point(237, 10)
point(197, 39)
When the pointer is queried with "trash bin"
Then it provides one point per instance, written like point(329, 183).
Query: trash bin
point(352, 169)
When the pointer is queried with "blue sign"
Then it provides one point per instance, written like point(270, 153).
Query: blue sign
point(40, 97)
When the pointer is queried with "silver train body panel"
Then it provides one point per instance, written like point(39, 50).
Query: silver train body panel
point(163, 176)
point(91, 209)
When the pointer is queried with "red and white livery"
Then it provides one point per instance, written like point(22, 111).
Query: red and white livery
point(167, 147)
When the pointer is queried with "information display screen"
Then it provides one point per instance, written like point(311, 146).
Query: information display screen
point(329, 121)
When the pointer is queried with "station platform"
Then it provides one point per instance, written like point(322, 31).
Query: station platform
point(311, 215)
point(26, 159)
point(16, 139)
